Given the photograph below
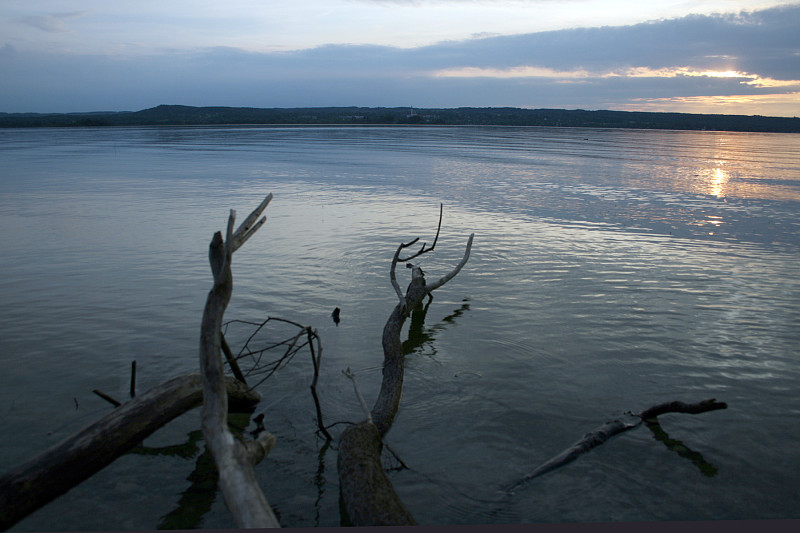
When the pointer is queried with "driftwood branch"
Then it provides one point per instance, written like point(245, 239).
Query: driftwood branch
point(450, 275)
point(615, 427)
point(367, 494)
point(589, 441)
point(30, 486)
point(680, 407)
point(234, 459)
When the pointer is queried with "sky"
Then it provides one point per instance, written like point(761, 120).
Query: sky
point(698, 56)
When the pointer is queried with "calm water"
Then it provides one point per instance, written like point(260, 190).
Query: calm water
point(611, 270)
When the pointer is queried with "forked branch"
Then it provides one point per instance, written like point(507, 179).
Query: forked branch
point(234, 459)
point(367, 494)
point(422, 250)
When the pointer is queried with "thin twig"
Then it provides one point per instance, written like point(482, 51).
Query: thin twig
point(424, 250)
point(393, 277)
point(358, 393)
point(315, 359)
point(397, 259)
point(396, 456)
point(231, 359)
point(107, 398)
point(133, 379)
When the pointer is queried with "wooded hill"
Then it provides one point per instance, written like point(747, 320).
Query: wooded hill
point(175, 115)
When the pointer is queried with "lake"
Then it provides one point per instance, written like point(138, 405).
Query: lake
point(611, 270)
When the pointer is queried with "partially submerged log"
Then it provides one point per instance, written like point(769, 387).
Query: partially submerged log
point(368, 494)
point(680, 407)
point(368, 497)
point(55, 471)
point(614, 427)
point(234, 458)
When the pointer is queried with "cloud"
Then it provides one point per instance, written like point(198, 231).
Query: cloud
point(52, 23)
point(711, 60)
point(766, 42)
point(630, 72)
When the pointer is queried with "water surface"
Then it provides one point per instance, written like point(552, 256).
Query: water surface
point(611, 270)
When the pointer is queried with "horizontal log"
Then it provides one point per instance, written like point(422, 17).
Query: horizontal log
point(52, 473)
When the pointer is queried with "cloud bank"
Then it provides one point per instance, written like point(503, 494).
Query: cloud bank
point(698, 63)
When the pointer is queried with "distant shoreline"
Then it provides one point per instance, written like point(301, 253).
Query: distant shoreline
point(177, 115)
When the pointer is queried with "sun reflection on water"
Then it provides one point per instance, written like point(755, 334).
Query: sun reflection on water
point(719, 178)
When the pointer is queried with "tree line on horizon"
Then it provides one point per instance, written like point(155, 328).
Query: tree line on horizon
point(178, 115)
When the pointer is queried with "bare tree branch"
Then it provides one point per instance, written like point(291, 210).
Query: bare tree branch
point(397, 259)
point(316, 359)
point(249, 226)
point(393, 276)
point(234, 459)
point(423, 250)
point(292, 345)
point(450, 275)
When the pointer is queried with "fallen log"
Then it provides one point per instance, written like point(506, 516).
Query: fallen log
point(55, 471)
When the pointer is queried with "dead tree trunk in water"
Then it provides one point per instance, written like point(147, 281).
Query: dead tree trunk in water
point(367, 494)
point(234, 458)
point(52, 473)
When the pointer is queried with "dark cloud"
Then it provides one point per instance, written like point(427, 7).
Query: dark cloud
point(765, 42)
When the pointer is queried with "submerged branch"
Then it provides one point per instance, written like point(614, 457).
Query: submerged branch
point(614, 427)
